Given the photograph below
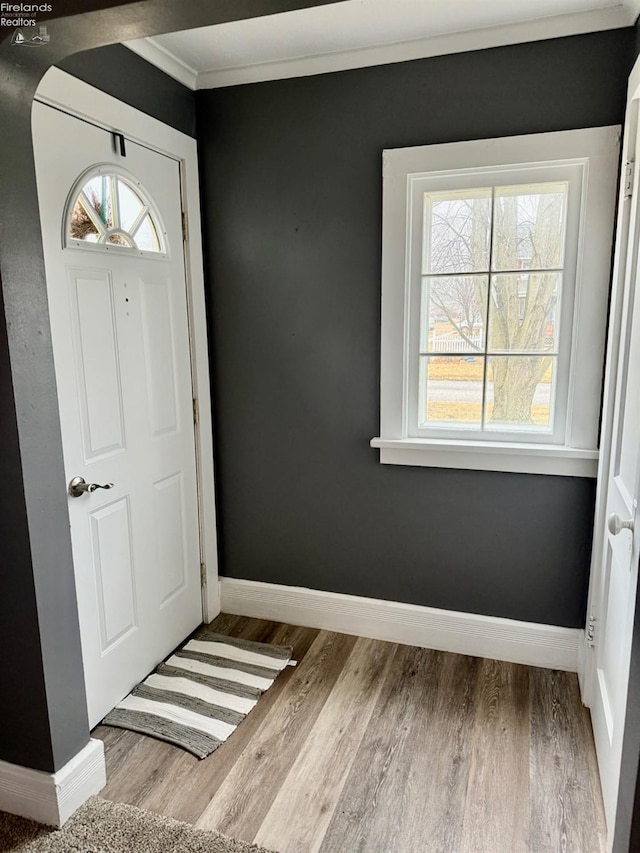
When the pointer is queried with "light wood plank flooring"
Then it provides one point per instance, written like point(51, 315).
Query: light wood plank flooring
point(373, 747)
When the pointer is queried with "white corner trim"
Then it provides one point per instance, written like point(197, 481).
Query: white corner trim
point(482, 38)
point(51, 798)
point(163, 59)
point(547, 459)
point(427, 627)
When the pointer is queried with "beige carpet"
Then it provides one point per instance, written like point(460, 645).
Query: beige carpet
point(104, 827)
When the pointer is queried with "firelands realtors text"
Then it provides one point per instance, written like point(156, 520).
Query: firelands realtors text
point(21, 9)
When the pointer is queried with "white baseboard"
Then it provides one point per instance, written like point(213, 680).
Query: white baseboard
point(52, 798)
point(447, 630)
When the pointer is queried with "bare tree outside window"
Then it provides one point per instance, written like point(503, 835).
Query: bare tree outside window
point(492, 276)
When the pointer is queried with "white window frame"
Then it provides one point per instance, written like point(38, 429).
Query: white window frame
point(591, 156)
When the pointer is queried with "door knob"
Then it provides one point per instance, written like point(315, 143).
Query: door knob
point(77, 487)
point(616, 524)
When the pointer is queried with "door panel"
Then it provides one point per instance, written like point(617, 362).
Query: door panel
point(171, 552)
point(97, 362)
point(115, 582)
point(122, 354)
point(157, 327)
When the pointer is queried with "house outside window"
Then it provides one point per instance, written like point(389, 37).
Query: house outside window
point(496, 258)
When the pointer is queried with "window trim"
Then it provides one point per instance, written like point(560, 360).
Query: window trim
point(597, 149)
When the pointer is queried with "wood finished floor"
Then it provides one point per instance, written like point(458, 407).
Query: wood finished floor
point(378, 748)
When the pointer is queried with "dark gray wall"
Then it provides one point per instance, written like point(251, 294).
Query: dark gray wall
point(23, 711)
point(119, 72)
point(43, 711)
point(291, 184)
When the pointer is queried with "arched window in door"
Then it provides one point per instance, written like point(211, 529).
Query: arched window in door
point(108, 210)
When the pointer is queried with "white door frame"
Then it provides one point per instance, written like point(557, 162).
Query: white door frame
point(61, 90)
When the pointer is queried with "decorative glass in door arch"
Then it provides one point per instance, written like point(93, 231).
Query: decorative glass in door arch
point(111, 210)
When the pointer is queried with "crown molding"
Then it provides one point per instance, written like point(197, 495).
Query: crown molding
point(166, 61)
point(558, 26)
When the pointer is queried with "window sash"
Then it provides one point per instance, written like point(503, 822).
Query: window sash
point(570, 171)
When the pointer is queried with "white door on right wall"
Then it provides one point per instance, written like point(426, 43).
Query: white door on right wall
point(617, 533)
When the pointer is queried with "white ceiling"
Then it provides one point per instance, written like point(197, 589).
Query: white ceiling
point(358, 33)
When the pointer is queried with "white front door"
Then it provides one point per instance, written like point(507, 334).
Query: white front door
point(617, 536)
point(122, 355)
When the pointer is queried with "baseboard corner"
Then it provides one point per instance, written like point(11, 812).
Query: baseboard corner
point(51, 798)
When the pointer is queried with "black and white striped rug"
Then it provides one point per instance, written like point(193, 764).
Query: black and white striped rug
point(199, 696)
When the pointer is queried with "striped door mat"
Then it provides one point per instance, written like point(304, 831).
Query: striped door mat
point(199, 696)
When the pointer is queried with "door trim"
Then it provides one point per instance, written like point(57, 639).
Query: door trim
point(62, 91)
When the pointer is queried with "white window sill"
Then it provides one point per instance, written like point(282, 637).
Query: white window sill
point(488, 456)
